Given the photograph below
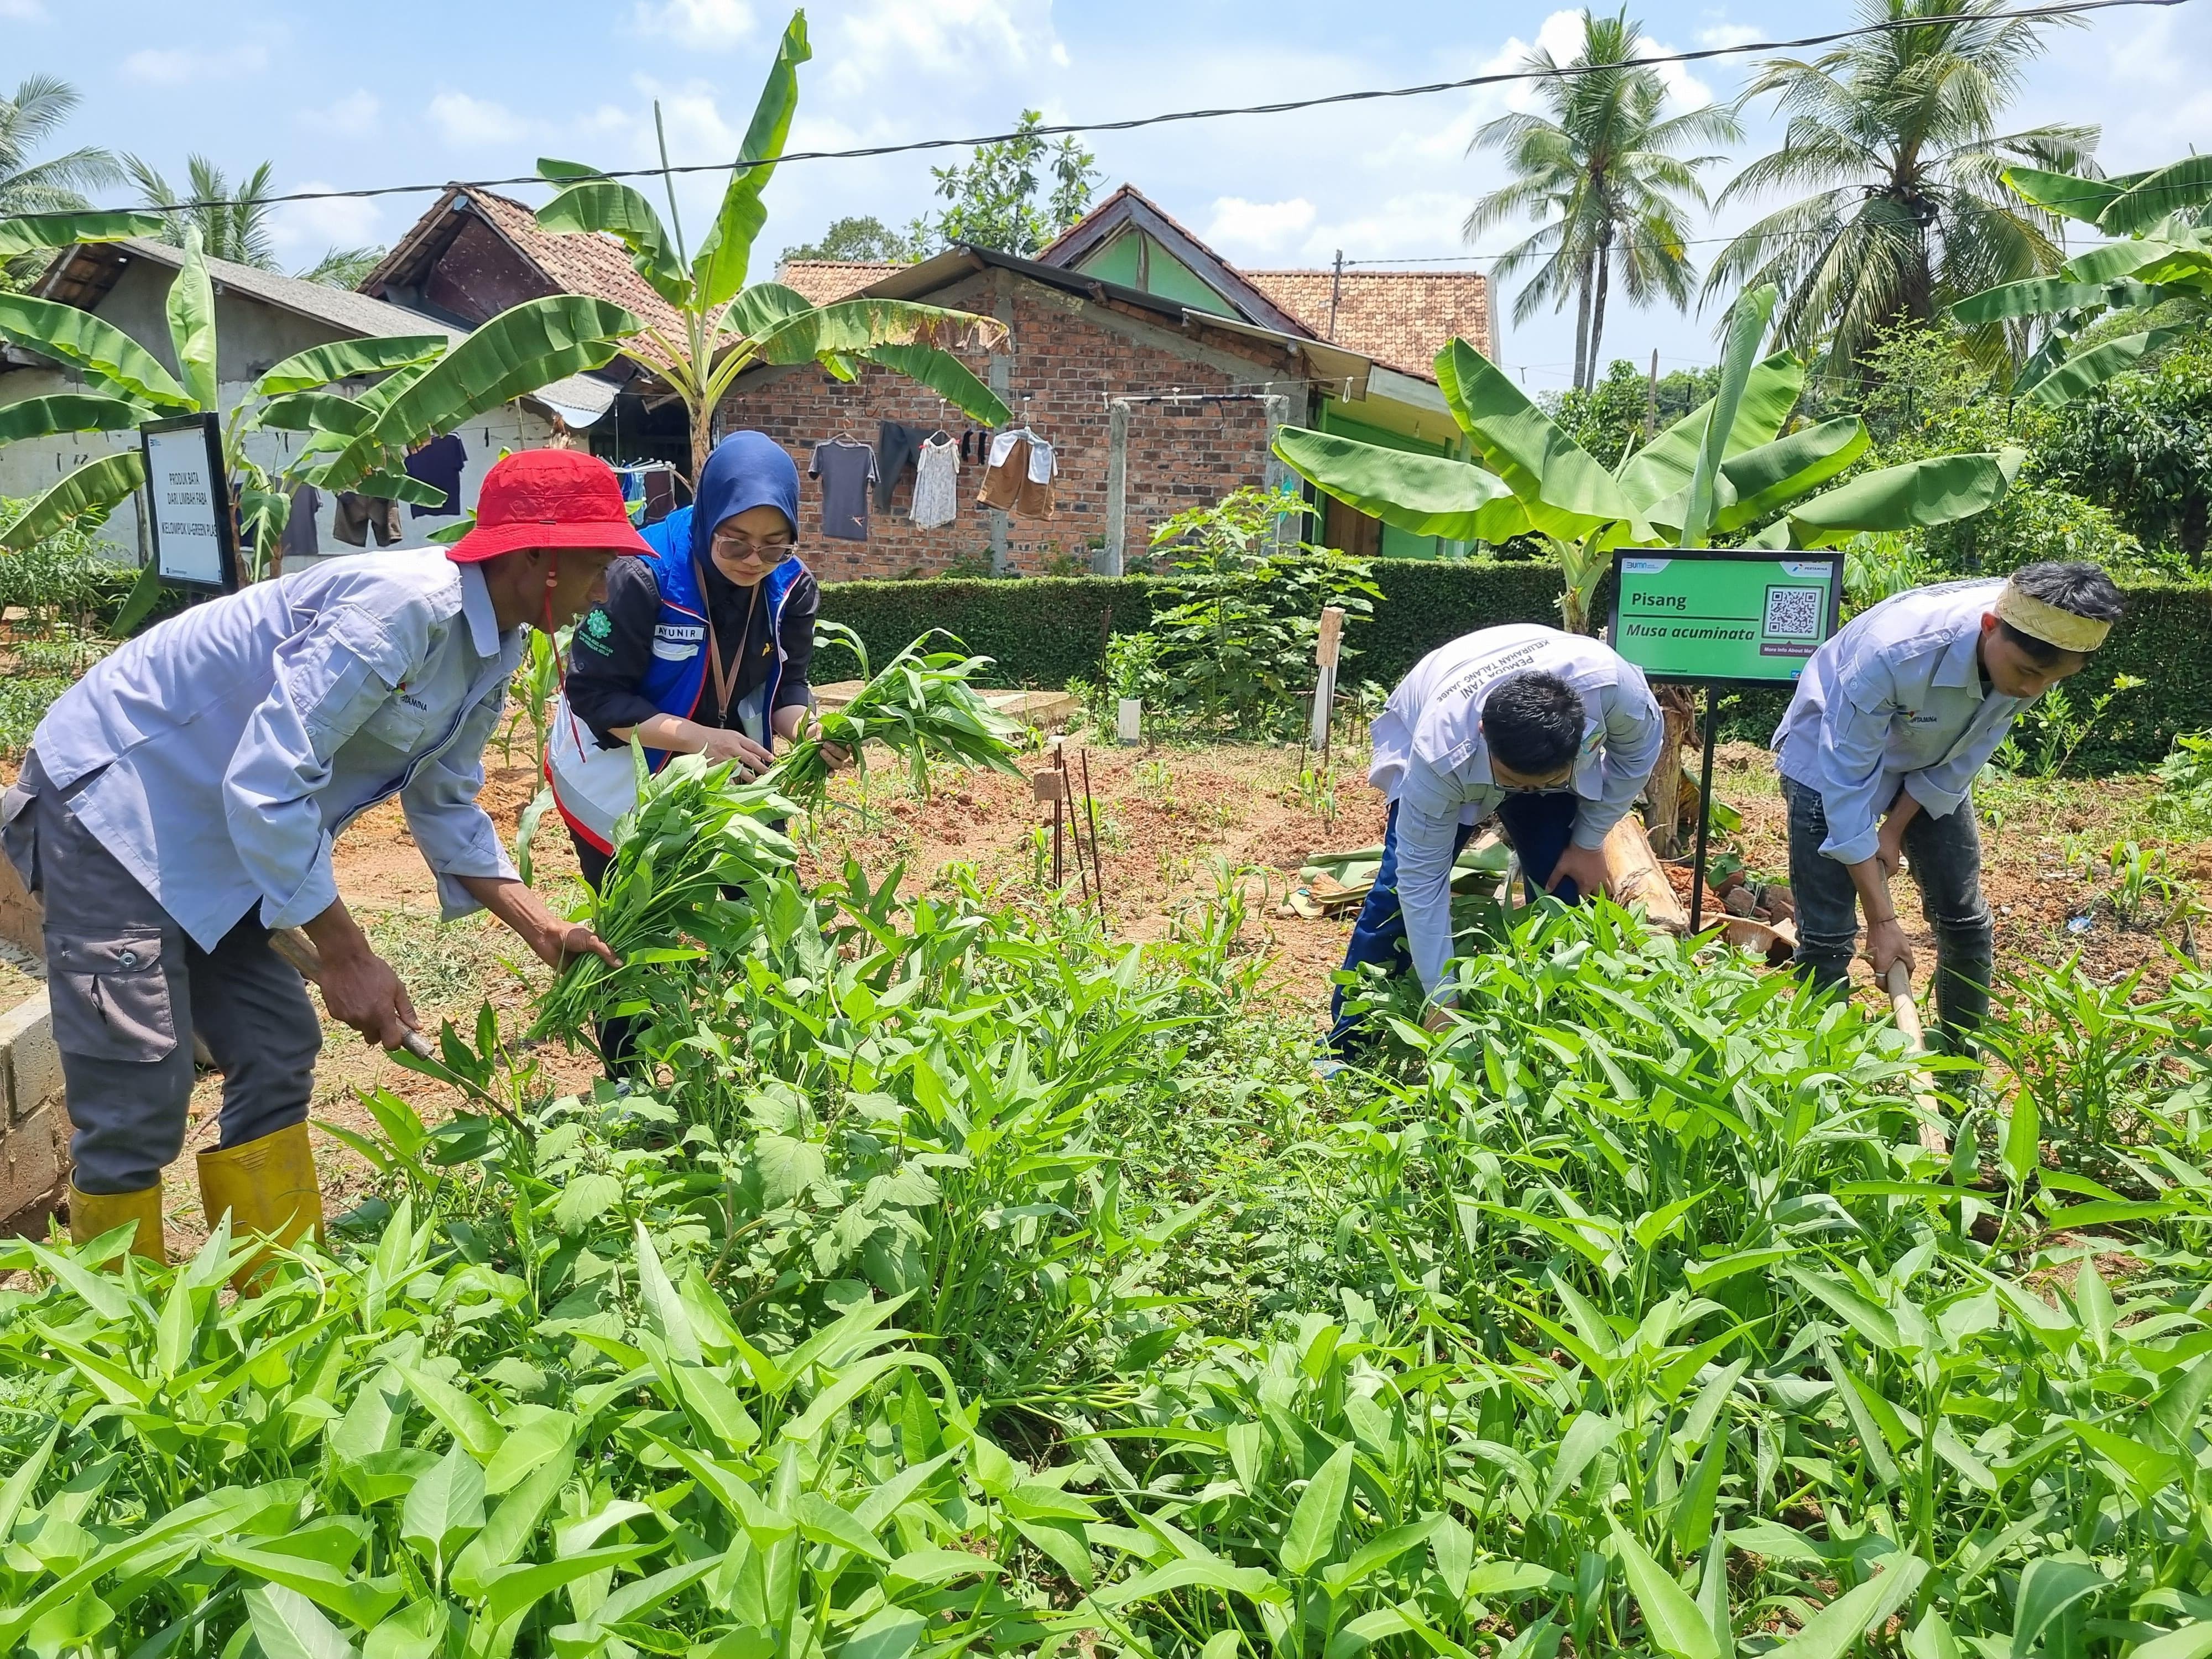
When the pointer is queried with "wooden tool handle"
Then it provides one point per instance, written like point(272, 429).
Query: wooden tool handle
point(1898, 982)
point(299, 951)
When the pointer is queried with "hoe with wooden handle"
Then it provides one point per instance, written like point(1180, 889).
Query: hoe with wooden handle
point(1899, 983)
point(297, 949)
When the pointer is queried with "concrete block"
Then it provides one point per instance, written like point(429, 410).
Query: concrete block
point(33, 1158)
point(21, 916)
point(30, 1064)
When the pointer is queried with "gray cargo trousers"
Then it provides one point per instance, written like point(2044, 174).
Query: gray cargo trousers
point(129, 988)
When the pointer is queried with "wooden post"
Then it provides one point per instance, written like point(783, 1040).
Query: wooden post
point(1052, 786)
point(1329, 646)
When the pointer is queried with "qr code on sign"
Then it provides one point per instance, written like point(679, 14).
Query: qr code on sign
point(1794, 613)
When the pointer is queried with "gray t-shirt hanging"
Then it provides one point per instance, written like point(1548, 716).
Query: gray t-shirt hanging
point(846, 468)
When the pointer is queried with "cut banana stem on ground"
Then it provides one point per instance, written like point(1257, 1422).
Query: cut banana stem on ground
point(1899, 984)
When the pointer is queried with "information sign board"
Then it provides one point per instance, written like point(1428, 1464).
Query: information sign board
point(188, 502)
point(1732, 617)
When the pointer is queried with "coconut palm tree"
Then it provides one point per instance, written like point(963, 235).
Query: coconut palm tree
point(233, 221)
point(1896, 136)
point(1605, 172)
point(29, 117)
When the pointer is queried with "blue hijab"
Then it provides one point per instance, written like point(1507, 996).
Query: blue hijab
point(747, 470)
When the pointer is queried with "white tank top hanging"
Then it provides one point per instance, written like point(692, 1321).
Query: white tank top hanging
point(936, 482)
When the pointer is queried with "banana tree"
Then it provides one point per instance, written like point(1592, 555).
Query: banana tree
point(2163, 258)
point(1727, 469)
point(353, 443)
point(723, 327)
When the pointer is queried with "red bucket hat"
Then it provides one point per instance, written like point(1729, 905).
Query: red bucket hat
point(549, 498)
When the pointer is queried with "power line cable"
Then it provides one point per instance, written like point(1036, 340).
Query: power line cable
point(1562, 71)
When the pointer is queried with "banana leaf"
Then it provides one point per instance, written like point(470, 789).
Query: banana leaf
point(190, 307)
point(100, 351)
point(1565, 490)
point(1664, 466)
point(2041, 296)
point(1747, 327)
point(2185, 184)
point(764, 308)
point(32, 235)
point(68, 412)
point(1918, 494)
point(316, 412)
point(2063, 194)
point(719, 270)
point(1766, 478)
point(347, 360)
point(1426, 495)
point(861, 325)
point(948, 377)
point(2061, 382)
point(614, 209)
point(518, 351)
point(96, 484)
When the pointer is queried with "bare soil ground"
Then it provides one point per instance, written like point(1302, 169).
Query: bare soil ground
point(1172, 823)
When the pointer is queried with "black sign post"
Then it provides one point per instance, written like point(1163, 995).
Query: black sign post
point(1721, 618)
point(194, 538)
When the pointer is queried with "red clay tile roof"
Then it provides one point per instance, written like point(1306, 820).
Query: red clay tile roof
point(824, 280)
point(1400, 318)
point(592, 264)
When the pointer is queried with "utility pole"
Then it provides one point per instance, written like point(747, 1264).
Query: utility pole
point(1335, 294)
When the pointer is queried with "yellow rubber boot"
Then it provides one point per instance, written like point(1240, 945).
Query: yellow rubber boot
point(268, 1186)
point(94, 1213)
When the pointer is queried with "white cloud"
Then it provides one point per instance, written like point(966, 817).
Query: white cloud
point(701, 25)
point(467, 123)
point(22, 11)
point(1244, 229)
point(1415, 224)
point(882, 38)
point(308, 227)
point(1729, 34)
point(1561, 36)
point(173, 66)
point(353, 116)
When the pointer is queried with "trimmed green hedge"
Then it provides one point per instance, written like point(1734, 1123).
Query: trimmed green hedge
point(1048, 630)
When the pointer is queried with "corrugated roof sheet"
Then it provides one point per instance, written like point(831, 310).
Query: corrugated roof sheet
point(824, 279)
point(341, 308)
point(1401, 317)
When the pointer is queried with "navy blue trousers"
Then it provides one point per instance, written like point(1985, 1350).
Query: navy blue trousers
point(1538, 827)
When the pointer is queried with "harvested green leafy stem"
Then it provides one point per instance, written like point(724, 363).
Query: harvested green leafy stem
point(693, 833)
point(921, 706)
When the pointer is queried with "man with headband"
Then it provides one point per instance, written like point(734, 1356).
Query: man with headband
point(1878, 753)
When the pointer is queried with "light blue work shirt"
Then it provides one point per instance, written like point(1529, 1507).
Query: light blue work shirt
point(225, 748)
point(1431, 758)
point(1896, 699)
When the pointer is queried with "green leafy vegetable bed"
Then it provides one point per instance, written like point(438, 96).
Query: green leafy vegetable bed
point(967, 1282)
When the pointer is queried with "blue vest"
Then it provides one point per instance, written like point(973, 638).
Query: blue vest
point(676, 677)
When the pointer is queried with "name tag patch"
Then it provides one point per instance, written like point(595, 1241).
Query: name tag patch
point(677, 641)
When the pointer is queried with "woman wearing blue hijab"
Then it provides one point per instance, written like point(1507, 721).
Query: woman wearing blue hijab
point(702, 646)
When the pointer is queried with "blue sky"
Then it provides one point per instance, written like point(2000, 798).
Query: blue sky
point(416, 92)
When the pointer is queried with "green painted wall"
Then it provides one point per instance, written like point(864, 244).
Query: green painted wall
point(1396, 544)
point(1163, 273)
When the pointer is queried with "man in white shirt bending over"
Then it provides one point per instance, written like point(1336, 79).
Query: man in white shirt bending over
point(1878, 753)
point(1554, 732)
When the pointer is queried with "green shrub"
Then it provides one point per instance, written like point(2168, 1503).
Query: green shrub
point(2142, 444)
point(2034, 521)
point(67, 577)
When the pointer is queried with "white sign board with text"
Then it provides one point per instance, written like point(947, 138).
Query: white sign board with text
point(190, 501)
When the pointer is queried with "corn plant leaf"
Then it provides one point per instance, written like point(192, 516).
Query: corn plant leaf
point(1672, 1621)
point(1311, 1535)
point(69, 412)
point(190, 309)
point(288, 1626)
point(348, 360)
point(2192, 1641)
point(104, 354)
point(718, 271)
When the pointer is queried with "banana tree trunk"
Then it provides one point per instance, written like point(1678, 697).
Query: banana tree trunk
point(1665, 791)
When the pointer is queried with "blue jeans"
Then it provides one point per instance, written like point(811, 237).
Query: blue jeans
point(1946, 866)
point(1538, 827)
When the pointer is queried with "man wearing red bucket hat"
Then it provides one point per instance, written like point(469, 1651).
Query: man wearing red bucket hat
point(180, 802)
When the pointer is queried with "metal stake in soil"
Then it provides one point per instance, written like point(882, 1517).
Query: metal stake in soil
point(1090, 812)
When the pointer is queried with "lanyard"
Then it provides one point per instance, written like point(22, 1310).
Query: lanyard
point(723, 676)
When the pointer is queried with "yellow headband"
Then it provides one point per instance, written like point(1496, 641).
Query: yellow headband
point(2048, 622)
